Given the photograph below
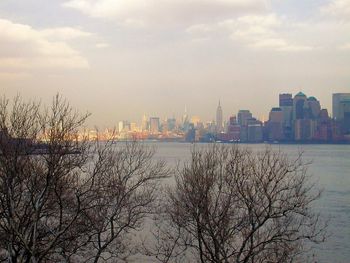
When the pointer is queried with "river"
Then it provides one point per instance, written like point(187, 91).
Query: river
point(330, 168)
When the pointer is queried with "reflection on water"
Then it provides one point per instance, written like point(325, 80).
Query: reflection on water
point(330, 168)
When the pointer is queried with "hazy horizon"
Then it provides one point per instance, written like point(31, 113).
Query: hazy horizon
point(122, 59)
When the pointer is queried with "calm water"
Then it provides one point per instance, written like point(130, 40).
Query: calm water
point(330, 168)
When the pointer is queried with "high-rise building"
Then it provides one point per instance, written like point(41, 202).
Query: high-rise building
point(243, 116)
point(337, 98)
point(300, 106)
point(144, 125)
point(154, 125)
point(185, 121)
point(324, 127)
point(304, 129)
point(219, 120)
point(171, 123)
point(345, 115)
point(254, 130)
point(133, 127)
point(286, 105)
point(285, 99)
point(123, 126)
point(275, 125)
point(314, 106)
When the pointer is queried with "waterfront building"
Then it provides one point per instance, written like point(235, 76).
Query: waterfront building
point(144, 124)
point(286, 105)
point(344, 110)
point(243, 116)
point(123, 126)
point(154, 124)
point(300, 106)
point(304, 129)
point(190, 134)
point(133, 127)
point(254, 131)
point(185, 121)
point(275, 125)
point(219, 119)
point(171, 124)
point(324, 127)
point(336, 105)
point(233, 129)
point(285, 100)
point(314, 106)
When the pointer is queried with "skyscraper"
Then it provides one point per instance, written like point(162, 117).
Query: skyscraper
point(299, 106)
point(337, 107)
point(286, 105)
point(243, 116)
point(314, 106)
point(285, 99)
point(275, 124)
point(144, 125)
point(154, 125)
point(219, 123)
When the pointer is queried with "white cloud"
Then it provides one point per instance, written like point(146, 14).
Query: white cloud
point(344, 46)
point(165, 11)
point(279, 44)
point(254, 31)
point(22, 46)
point(337, 8)
point(65, 33)
point(200, 29)
point(102, 45)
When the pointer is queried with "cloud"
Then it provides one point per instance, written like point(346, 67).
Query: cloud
point(264, 32)
point(102, 45)
point(65, 33)
point(344, 46)
point(9, 76)
point(22, 46)
point(338, 9)
point(142, 12)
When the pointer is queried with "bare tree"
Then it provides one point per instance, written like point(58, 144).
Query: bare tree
point(39, 200)
point(123, 180)
point(63, 198)
point(233, 205)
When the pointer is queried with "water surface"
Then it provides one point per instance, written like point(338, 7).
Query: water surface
point(330, 168)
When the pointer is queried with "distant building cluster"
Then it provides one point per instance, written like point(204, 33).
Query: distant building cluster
point(297, 119)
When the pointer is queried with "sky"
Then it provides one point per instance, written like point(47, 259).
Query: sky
point(120, 59)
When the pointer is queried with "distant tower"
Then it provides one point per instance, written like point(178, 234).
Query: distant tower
point(185, 117)
point(154, 125)
point(219, 123)
point(337, 107)
point(185, 121)
point(300, 106)
point(144, 125)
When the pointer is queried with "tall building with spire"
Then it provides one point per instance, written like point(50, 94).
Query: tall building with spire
point(219, 122)
point(185, 121)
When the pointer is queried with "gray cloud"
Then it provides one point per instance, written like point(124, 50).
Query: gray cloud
point(25, 47)
point(142, 13)
point(337, 8)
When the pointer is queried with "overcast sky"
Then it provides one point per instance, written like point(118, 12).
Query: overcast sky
point(119, 59)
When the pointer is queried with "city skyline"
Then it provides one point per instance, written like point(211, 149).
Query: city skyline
point(224, 111)
point(296, 119)
point(118, 59)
